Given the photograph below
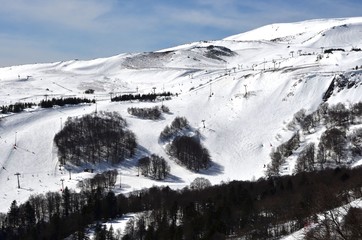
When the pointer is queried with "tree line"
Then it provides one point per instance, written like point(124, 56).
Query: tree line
point(20, 106)
point(141, 97)
point(16, 108)
point(64, 101)
point(265, 209)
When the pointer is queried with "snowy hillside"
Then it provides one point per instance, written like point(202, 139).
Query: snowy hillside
point(246, 88)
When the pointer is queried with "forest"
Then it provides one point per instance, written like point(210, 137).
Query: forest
point(263, 209)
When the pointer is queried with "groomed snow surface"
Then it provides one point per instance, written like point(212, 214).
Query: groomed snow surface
point(245, 100)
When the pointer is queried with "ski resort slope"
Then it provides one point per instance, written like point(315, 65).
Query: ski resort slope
point(245, 88)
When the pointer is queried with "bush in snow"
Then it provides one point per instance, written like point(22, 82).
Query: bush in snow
point(89, 91)
point(165, 109)
point(145, 113)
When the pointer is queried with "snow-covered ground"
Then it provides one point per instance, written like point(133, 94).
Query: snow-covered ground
point(245, 97)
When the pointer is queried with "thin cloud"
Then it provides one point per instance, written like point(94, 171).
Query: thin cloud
point(200, 18)
point(80, 14)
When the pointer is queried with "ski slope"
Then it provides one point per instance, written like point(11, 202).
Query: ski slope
point(246, 96)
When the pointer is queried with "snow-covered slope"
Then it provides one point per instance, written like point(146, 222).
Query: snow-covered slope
point(245, 88)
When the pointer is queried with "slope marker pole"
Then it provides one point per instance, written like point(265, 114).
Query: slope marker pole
point(17, 175)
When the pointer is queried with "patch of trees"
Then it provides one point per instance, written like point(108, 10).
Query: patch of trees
point(306, 159)
point(333, 144)
point(190, 152)
point(335, 224)
point(265, 209)
point(165, 109)
point(89, 91)
point(338, 115)
point(154, 166)
point(336, 146)
point(178, 125)
point(104, 180)
point(333, 149)
point(356, 142)
point(306, 122)
point(146, 113)
point(95, 138)
point(19, 106)
point(141, 97)
point(64, 101)
point(333, 116)
point(331, 50)
point(16, 108)
point(281, 153)
point(187, 150)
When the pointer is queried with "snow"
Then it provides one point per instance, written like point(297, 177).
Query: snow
point(240, 131)
point(118, 225)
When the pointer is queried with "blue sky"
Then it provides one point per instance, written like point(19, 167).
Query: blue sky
point(33, 31)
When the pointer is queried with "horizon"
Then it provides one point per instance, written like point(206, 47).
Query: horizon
point(51, 31)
